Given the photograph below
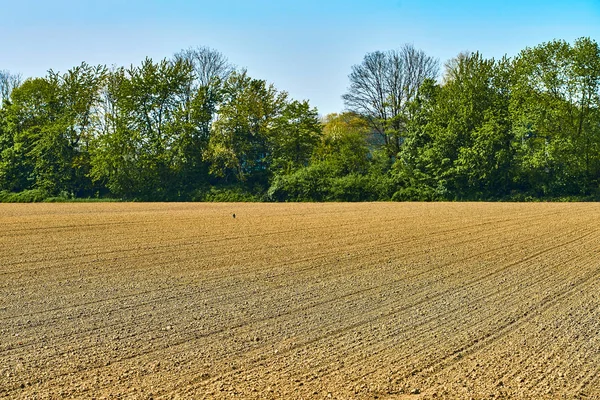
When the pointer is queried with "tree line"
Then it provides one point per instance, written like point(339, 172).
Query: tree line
point(195, 128)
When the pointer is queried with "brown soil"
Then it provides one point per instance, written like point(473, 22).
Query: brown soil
point(300, 301)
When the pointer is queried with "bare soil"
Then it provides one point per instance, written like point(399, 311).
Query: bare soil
point(385, 300)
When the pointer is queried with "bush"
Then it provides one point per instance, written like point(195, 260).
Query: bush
point(353, 187)
point(320, 182)
point(415, 194)
point(226, 194)
point(81, 200)
point(26, 196)
point(307, 184)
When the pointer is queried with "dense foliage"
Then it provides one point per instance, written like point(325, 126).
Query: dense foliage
point(195, 128)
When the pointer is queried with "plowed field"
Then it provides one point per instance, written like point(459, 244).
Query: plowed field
point(300, 301)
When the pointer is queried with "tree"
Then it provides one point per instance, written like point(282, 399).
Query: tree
point(33, 106)
point(344, 143)
point(210, 66)
point(140, 152)
point(202, 99)
point(342, 167)
point(554, 108)
point(383, 85)
point(50, 123)
point(239, 145)
point(454, 67)
point(210, 70)
point(293, 138)
point(459, 145)
point(8, 82)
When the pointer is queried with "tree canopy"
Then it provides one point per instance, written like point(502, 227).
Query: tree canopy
point(194, 127)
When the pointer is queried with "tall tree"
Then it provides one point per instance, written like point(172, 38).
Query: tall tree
point(293, 137)
point(139, 153)
point(554, 108)
point(33, 107)
point(51, 123)
point(202, 99)
point(239, 144)
point(383, 85)
point(459, 144)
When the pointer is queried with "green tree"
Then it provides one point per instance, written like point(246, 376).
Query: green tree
point(240, 144)
point(342, 167)
point(459, 145)
point(554, 110)
point(344, 143)
point(139, 153)
point(203, 97)
point(50, 122)
point(293, 138)
point(32, 107)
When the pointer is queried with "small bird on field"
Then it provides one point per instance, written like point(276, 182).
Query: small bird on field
point(233, 215)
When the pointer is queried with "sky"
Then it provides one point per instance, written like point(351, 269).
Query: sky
point(306, 48)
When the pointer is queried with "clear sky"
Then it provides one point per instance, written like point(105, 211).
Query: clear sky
point(304, 47)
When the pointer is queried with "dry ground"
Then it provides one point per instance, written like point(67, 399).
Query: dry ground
point(300, 301)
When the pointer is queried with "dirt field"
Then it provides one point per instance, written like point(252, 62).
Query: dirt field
point(300, 301)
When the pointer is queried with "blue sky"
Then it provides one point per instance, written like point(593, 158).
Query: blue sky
point(304, 47)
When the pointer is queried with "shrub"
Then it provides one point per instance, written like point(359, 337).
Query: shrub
point(226, 194)
point(26, 196)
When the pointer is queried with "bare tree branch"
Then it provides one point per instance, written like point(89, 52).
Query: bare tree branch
point(209, 64)
point(382, 86)
point(8, 82)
